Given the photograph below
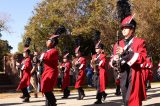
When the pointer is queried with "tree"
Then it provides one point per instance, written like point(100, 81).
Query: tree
point(4, 50)
point(4, 46)
point(79, 17)
point(3, 23)
point(83, 17)
point(148, 17)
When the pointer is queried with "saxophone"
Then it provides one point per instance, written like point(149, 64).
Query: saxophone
point(95, 63)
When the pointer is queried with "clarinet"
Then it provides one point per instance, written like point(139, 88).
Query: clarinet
point(62, 71)
point(97, 63)
point(77, 68)
point(118, 62)
point(77, 65)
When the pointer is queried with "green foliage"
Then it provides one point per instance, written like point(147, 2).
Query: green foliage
point(148, 17)
point(4, 46)
point(82, 17)
point(20, 47)
point(4, 50)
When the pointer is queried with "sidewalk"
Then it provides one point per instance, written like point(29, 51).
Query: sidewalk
point(111, 100)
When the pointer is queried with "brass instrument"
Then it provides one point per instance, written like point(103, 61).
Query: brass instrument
point(95, 63)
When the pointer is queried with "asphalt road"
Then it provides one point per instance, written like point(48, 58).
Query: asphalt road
point(111, 100)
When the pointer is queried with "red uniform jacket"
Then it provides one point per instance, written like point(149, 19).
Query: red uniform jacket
point(138, 91)
point(50, 73)
point(81, 75)
point(66, 77)
point(102, 71)
point(26, 68)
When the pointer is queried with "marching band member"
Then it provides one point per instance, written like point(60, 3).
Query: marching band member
point(80, 66)
point(99, 59)
point(65, 69)
point(50, 73)
point(131, 53)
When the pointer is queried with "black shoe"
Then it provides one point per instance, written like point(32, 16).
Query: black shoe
point(46, 103)
point(104, 96)
point(64, 97)
point(26, 99)
point(79, 98)
point(68, 93)
point(53, 104)
point(118, 93)
point(98, 102)
point(35, 95)
point(22, 97)
point(82, 96)
point(149, 87)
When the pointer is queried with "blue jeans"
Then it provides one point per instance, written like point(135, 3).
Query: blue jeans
point(89, 79)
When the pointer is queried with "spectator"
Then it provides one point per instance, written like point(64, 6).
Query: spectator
point(89, 74)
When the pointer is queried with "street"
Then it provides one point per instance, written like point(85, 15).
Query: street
point(111, 100)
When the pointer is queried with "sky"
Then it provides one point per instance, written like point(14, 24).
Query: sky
point(18, 13)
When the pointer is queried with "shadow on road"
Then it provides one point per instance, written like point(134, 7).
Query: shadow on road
point(15, 104)
point(10, 104)
point(157, 104)
point(77, 97)
point(110, 103)
point(153, 90)
point(153, 96)
point(37, 101)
